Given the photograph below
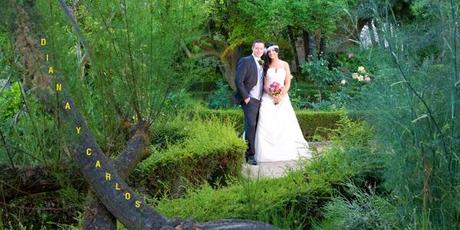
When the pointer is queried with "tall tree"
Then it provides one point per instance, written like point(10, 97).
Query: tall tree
point(234, 25)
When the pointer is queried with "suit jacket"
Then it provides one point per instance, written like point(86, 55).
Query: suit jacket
point(246, 77)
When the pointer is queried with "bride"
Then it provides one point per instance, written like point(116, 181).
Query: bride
point(278, 135)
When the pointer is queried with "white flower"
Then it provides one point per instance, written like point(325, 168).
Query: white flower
point(361, 69)
point(354, 76)
point(360, 78)
point(343, 82)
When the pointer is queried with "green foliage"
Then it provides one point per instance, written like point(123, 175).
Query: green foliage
point(338, 78)
point(202, 74)
point(352, 156)
point(311, 122)
point(427, 10)
point(292, 202)
point(259, 200)
point(365, 211)
point(324, 76)
point(318, 123)
point(221, 98)
point(6, 70)
point(413, 106)
point(10, 101)
point(27, 133)
point(297, 100)
point(10, 91)
point(208, 151)
point(239, 23)
point(179, 100)
point(129, 60)
point(273, 17)
point(30, 135)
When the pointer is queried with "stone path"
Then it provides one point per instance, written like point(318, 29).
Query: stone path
point(279, 169)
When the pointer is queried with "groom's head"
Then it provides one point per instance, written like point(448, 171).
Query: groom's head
point(258, 48)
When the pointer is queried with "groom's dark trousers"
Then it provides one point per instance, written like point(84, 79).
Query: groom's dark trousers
point(251, 113)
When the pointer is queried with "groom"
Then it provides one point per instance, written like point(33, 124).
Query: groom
point(249, 87)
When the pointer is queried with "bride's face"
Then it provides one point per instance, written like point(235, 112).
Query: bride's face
point(272, 54)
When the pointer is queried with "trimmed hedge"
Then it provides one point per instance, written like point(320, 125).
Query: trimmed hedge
point(296, 201)
point(204, 147)
point(209, 151)
point(312, 123)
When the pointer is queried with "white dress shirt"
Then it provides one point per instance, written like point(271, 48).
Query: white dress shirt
point(256, 91)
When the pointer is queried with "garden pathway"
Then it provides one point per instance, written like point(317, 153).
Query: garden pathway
point(279, 169)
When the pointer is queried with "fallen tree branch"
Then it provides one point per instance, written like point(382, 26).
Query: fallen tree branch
point(97, 216)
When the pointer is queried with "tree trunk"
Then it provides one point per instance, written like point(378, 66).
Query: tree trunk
point(228, 58)
point(229, 61)
point(292, 41)
point(97, 216)
point(309, 45)
point(322, 46)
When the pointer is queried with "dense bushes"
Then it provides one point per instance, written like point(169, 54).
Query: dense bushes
point(207, 148)
point(298, 200)
point(207, 151)
point(311, 122)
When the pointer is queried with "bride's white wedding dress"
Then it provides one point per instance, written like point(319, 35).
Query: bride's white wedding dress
point(278, 135)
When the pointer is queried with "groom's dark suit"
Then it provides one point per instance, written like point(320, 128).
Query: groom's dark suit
point(247, 75)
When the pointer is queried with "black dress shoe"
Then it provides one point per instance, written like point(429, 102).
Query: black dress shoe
point(251, 160)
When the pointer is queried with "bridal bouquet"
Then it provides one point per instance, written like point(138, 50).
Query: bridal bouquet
point(275, 88)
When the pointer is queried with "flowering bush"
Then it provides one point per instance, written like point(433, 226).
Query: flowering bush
point(361, 75)
point(338, 78)
point(354, 81)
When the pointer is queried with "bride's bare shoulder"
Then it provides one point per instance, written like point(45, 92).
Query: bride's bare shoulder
point(285, 64)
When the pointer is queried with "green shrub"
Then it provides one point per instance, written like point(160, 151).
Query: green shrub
point(324, 76)
point(290, 202)
point(268, 200)
point(311, 122)
point(210, 151)
point(221, 97)
point(10, 101)
point(30, 134)
point(296, 201)
point(365, 211)
point(318, 122)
